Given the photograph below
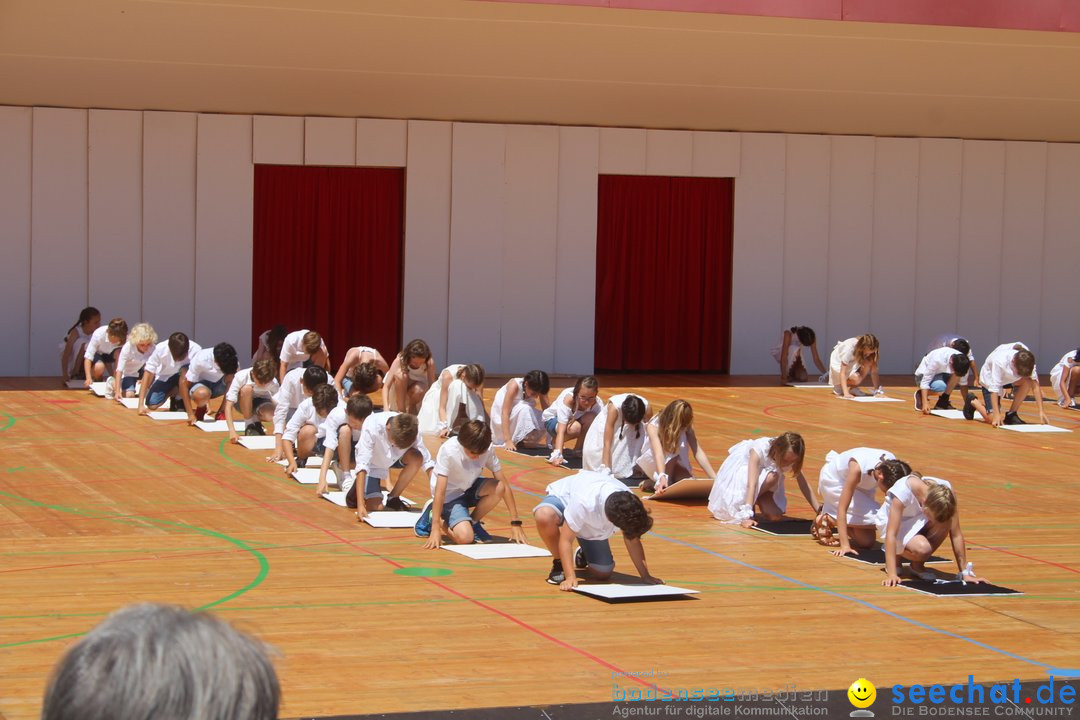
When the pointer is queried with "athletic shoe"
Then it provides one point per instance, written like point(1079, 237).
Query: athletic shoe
point(200, 413)
point(176, 405)
point(556, 576)
point(969, 408)
point(943, 403)
point(579, 560)
point(480, 534)
point(393, 502)
point(110, 385)
point(918, 399)
point(1012, 418)
point(220, 414)
point(255, 428)
point(422, 528)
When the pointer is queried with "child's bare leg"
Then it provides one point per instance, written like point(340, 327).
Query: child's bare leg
point(921, 547)
point(412, 461)
point(244, 401)
point(414, 397)
point(766, 503)
point(977, 403)
point(583, 428)
point(489, 494)
point(1021, 389)
point(305, 443)
point(676, 471)
point(1073, 383)
point(344, 451)
point(200, 396)
point(862, 536)
point(536, 439)
point(461, 416)
point(547, 527)
point(797, 373)
point(462, 533)
point(99, 370)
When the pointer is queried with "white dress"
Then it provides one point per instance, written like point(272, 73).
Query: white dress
point(794, 351)
point(75, 363)
point(524, 416)
point(913, 518)
point(842, 353)
point(457, 394)
point(647, 462)
point(727, 500)
point(1059, 370)
point(864, 505)
point(625, 445)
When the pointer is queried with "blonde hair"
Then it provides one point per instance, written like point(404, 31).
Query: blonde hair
point(142, 333)
point(940, 501)
point(867, 349)
point(675, 419)
point(784, 442)
point(311, 342)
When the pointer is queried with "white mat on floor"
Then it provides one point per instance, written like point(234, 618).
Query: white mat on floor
point(130, 403)
point(258, 442)
point(338, 497)
point(168, 415)
point(1032, 428)
point(618, 591)
point(809, 385)
point(391, 519)
point(310, 476)
point(497, 551)
point(873, 398)
point(313, 461)
point(98, 389)
point(953, 414)
point(219, 426)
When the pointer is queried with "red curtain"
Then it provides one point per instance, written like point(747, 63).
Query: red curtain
point(328, 254)
point(663, 273)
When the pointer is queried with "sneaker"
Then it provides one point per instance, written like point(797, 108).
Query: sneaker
point(943, 403)
point(176, 405)
point(422, 528)
point(1012, 418)
point(200, 413)
point(255, 428)
point(220, 414)
point(110, 385)
point(918, 399)
point(480, 534)
point(556, 576)
point(393, 502)
point(579, 560)
point(969, 407)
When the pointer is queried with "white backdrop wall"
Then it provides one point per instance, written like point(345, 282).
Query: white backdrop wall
point(149, 215)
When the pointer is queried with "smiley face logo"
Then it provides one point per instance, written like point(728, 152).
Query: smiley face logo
point(862, 693)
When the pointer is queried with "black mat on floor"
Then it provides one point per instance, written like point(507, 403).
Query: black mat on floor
point(786, 527)
point(876, 556)
point(943, 588)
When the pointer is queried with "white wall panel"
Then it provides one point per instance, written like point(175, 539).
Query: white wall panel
point(16, 137)
point(575, 271)
point(115, 213)
point(622, 151)
point(937, 251)
point(716, 154)
point(530, 210)
point(381, 143)
point(758, 252)
point(427, 235)
point(476, 245)
point(892, 271)
point(1022, 243)
point(58, 288)
point(329, 141)
point(1061, 256)
point(851, 229)
point(223, 232)
point(669, 152)
point(805, 272)
point(978, 298)
point(169, 222)
point(277, 140)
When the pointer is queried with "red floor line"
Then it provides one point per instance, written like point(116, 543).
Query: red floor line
point(306, 523)
point(1026, 557)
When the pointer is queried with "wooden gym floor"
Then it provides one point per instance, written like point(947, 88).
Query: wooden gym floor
point(100, 508)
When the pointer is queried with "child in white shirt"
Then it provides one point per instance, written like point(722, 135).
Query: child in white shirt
point(340, 433)
point(99, 358)
point(303, 436)
point(252, 393)
point(208, 376)
point(297, 385)
point(385, 438)
point(133, 356)
point(161, 374)
point(303, 348)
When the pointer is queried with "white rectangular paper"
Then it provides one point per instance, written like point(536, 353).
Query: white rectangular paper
point(953, 414)
point(810, 385)
point(310, 476)
point(313, 461)
point(497, 551)
point(219, 426)
point(874, 398)
point(258, 442)
point(338, 498)
point(1032, 428)
point(130, 403)
point(391, 519)
point(168, 415)
point(98, 389)
point(616, 591)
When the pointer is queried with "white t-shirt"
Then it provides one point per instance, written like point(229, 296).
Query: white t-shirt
point(204, 367)
point(305, 414)
point(460, 470)
point(563, 413)
point(997, 371)
point(99, 343)
point(162, 364)
point(292, 348)
point(242, 379)
point(584, 495)
point(374, 451)
point(935, 362)
point(332, 425)
point(131, 360)
point(289, 396)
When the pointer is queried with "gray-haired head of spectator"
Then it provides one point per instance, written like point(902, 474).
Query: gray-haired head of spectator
point(161, 662)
